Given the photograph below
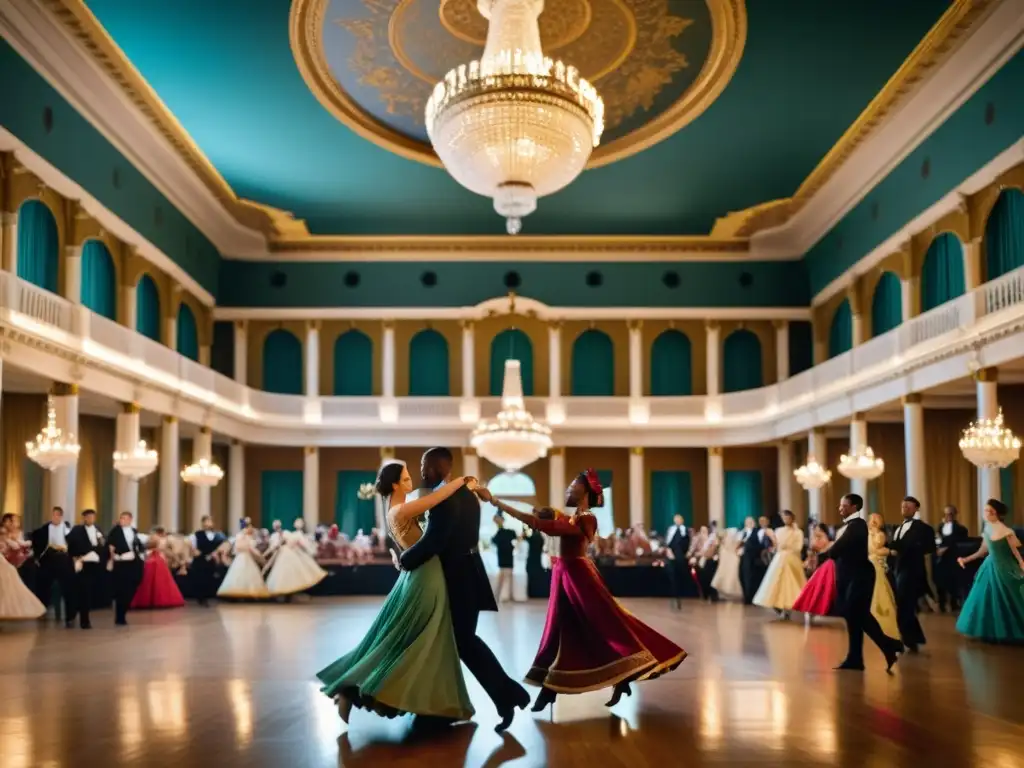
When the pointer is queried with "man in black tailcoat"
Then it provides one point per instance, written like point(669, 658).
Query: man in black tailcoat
point(88, 551)
point(203, 570)
point(126, 555)
point(754, 560)
point(677, 538)
point(50, 549)
point(947, 572)
point(912, 542)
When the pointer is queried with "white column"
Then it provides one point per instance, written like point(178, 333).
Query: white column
point(388, 361)
point(906, 299)
point(311, 488)
point(126, 438)
point(714, 346)
point(913, 440)
point(636, 361)
point(171, 331)
point(716, 487)
point(204, 355)
point(637, 488)
point(202, 448)
point(9, 224)
point(468, 361)
point(782, 351)
point(988, 408)
point(131, 306)
point(817, 449)
point(858, 329)
point(236, 483)
point(858, 440)
point(785, 475)
point(972, 264)
point(556, 478)
point(555, 360)
point(241, 351)
point(63, 481)
point(169, 513)
point(312, 358)
point(73, 274)
point(471, 464)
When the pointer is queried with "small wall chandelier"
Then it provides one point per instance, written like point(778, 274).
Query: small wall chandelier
point(812, 475)
point(203, 473)
point(513, 438)
point(137, 463)
point(862, 464)
point(988, 444)
point(52, 449)
point(366, 492)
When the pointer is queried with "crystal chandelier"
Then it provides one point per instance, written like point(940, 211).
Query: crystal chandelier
point(514, 438)
point(52, 449)
point(366, 492)
point(515, 125)
point(137, 463)
point(861, 465)
point(986, 443)
point(203, 473)
point(812, 475)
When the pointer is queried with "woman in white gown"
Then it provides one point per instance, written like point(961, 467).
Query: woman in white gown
point(244, 578)
point(727, 578)
point(785, 575)
point(292, 567)
point(17, 603)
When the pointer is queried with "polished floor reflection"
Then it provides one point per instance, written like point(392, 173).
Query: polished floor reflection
point(233, 686)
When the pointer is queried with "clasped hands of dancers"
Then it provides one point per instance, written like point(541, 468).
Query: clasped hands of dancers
point(409, 660)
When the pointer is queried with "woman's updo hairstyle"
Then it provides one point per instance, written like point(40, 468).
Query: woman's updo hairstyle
point(1001, 509)
point(388, 477)
point(595, 493)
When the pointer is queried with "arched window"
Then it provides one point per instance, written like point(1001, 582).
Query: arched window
point(840, 332)
point(886, 304)
point(671, 365)
point(593, 365)
point(428, 364)
point(99, 279)
point(38, 245)
point(742, 366)
point(511, 344)
point(353, 364)
point(942, 274)
point(187, 333)
point(282, 363)
point(1004, 234)
point(147, 308)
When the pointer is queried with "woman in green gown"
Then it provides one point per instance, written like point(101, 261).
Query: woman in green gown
point(407, 662)
point(994, 609)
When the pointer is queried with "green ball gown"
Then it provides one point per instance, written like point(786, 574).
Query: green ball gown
point(994, 609)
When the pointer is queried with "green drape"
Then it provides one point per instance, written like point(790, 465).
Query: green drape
point(38, 245)
point(593, 365)
point(428, 365)
point(1004, 234)
point(222, 354)
point(742, 366)
point(1007, 490)
point(187, 333)
point(671, 494)
point(942, 275)
point(840, 332)
point(280, 496)
point(671, 365)
point(99, 280)
point(353, 364)
point(350, 512)
point(742, 496)
point(511, 344)
point(886, 304)
point(282, 363)
point(147, 308)
point(801, 346)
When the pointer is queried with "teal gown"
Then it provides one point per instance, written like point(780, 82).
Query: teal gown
point(994, 609)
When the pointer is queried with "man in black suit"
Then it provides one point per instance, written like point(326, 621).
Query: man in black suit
point(912, 542)
point(855, 583)
point(947, 573)
point(753, 560)
point(87, 549)
point(126, 555)
point(50, 549)
point(452, 534)
point(678, 540)
point(203, 570)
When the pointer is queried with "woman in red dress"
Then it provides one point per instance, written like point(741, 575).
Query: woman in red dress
point(818, 596)
point(158, 588)
point(589, 641)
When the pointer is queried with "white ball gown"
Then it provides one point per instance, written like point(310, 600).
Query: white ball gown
point(17, 603)
point(727, 578)
point(785, 575)
point(292, 567)
point(244, 578)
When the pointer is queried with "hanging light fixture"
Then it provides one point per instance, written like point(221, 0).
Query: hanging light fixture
point(52, 449)
point(515, 125)
point(812, 475)
point(203, 473)
point(513, 438)
point(862, 464)
point(988, 444)
point(137, 463)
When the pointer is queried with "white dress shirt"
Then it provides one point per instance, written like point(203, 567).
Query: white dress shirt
point(57, 537)
point(91, 557)
point(947, 529)
point(901, 531)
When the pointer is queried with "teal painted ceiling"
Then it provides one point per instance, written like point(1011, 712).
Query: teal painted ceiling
point(226, 70)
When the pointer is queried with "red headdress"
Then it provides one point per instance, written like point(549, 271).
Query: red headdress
point(593, 481)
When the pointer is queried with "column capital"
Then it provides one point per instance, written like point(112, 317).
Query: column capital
point(779, 324)
point(388, 325)
point(784, 443)
point(235, 442)
point(241, 325)
point(557, 451)
point(467, 324)
point(131, 408)
point(987, 374)
point(60, 389)
point(858, 417)
point(712, 325)
point(310, 450)
point(205, 430)
point(314, 325)
point(170, 420)
point(638, 451)
point(912, 398)
point(714, 450)
point(469, 451)
point(387, 452)
point(635, 324)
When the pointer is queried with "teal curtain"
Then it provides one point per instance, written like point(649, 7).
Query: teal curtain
point(671, 365)
point(187, 333)
point(99, 280)
point(887, 304)
point(840, 333)
point(942, 275)
point(801, 346)
point(353, 364)
point(222, 355)
point(511, 344)
point(742, 367)
point(671, 494)
point(428, 365)
point(1004, 234)
point(350, 512)
point(742, 496)
point(280, 496)
point(147, 308)
point(282, 363)
point(593, 365)
point(38, 245)
point(1006, 490)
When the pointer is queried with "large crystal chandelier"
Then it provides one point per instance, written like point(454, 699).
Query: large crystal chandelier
point(862, 464)
point(52, 449)
point(514, 438)
point(203, 473)
point(986, 443)
point(136, 463)
point(515, 125)
point(812, 475)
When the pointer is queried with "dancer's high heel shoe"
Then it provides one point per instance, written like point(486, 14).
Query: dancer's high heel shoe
point(344, 707)
point(621, 688)
point(545, 697)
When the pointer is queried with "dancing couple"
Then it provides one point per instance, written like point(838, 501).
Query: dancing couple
point(409, 660)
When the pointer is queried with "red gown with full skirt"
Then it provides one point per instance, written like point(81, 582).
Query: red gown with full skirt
point(589, 640)
point(158, 588)
point(818, 597)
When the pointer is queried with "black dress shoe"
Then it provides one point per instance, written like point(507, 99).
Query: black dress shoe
point(912, 648)
point(847, 666)
point(86, 625)
point(121, 622)
point(521, 701)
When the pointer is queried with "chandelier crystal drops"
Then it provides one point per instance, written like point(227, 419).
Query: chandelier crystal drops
point(513, 438)
point(988, 444)
point(812, 475)
point(862, 464)
point(203, 473)
point(52, 449)
point(515, 125)
point(137, 463)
